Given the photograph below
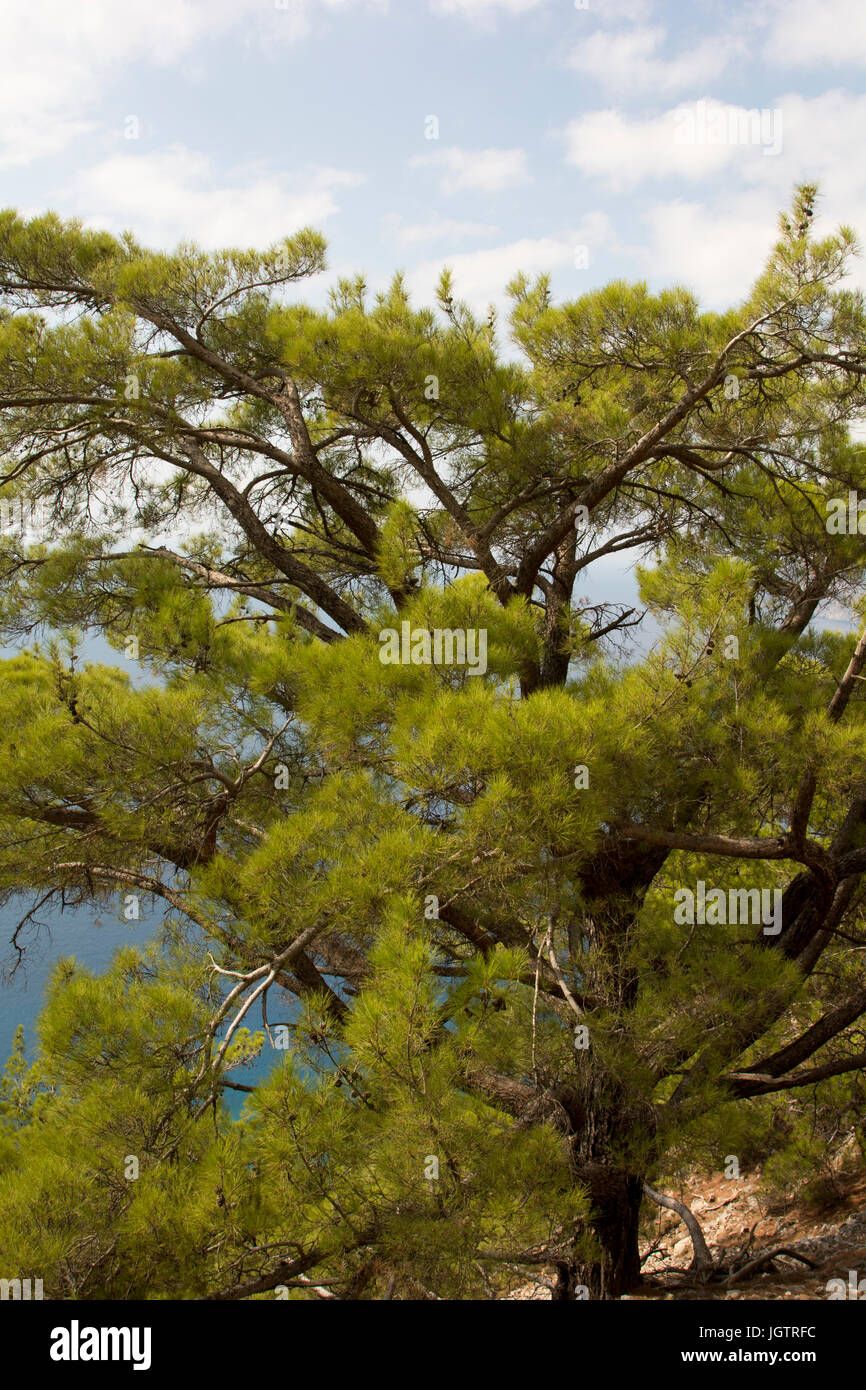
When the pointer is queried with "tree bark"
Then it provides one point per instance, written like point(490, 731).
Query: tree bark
point(616, 1198)
point(702, 1260)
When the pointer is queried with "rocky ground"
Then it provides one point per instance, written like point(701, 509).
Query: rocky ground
point(740, 1223)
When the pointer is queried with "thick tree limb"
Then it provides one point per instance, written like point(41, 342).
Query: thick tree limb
point(802, 1048)
point(702, 1259)
point(750, 1084)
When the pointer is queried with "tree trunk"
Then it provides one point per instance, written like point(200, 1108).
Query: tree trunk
point(616, 1198)
point(609, 1124)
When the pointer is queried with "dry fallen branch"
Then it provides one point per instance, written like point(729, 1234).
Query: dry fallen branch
point(754, 1265)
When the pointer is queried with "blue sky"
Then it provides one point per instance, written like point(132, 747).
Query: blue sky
point(590, 140)
point(559, 127)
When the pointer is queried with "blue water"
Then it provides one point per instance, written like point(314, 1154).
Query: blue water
point(92, 937)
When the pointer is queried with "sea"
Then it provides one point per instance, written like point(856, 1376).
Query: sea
point(90, 935)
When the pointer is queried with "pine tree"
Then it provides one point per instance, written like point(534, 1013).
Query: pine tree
point(462, 889)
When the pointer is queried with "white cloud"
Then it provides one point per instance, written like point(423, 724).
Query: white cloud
point(691, 141)
point(595, 230)
point(621, 11)
point(484, 9)
point(716, 243)
point(443, 229)
point(816, 139)
point(623, 150)
point(58, 58)
point(631, 60)
point(484, 171)
point(480, 277)
point(716, 249)
point(803, 32)
point(174, 194)
point(823, 142)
